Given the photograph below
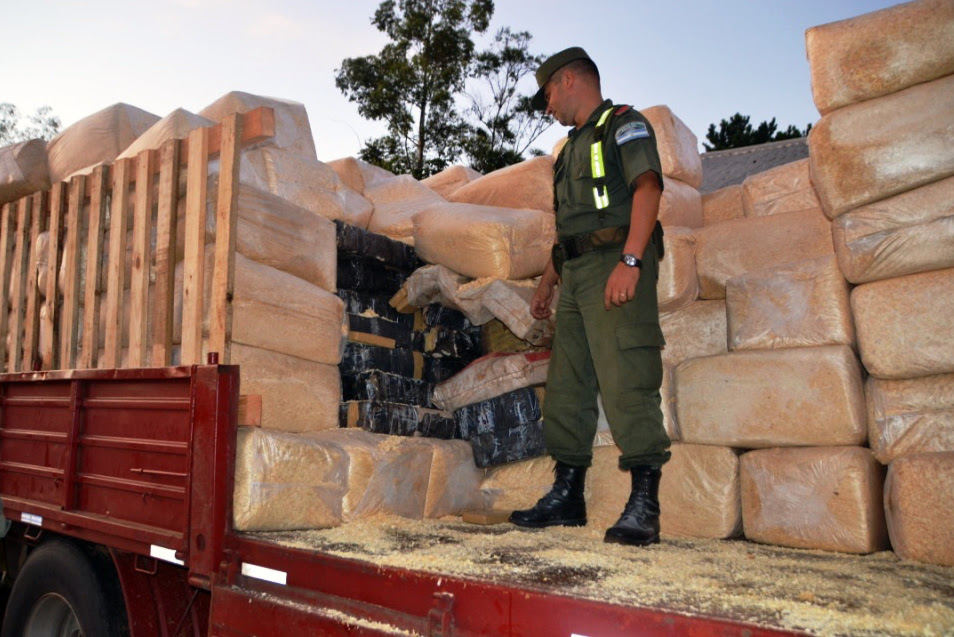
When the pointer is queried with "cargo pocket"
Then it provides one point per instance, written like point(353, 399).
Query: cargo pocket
point(640, 356)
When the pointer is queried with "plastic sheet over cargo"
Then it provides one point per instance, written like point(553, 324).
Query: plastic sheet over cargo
point(785, 188)
point(23, 170)
point(490, 376)
point(905, 234)
point(904, 325)
point(799, 304)
point(880, 52)
point(772, 398)
point(735, 247)
point(485, 241)
point(816, 498)
point(678, 146)
point(524, 185)
point(910, 416)
point(869, 151)
point(919, 506)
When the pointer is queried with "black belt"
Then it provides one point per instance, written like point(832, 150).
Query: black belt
point(580, 244)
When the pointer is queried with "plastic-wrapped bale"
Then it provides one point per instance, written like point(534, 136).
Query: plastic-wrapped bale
point(526, 185)
point(827, 498)
point(905, 234)
point(307, 183)
point(698, 329)
point(799, 304)
point(175, 125)
point(678, 146)
point(23, 170)
point(678, 284)
point(292, 129)
point(484, 241)
point(721, 205)
point(680, 205)
point(454, 484)
point(375, 385)
point(881, 52)
point(735, 247)
point(919, 506)
point(699, 492)
point(297, 395)
point(359, 175)
point(517, 485)
point(361, 357)
point(910, 416)
point(448, 181)
point(95, 139)
point(285, 481)
point(396, 476)
point(785, 188)
point(489, 376)
point(396, 203)
point(904, 325)
point(869, 151)
point(504, 428)
point(772, 398)
point(395, 419)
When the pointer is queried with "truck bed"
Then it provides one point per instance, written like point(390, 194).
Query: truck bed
point(679, 586)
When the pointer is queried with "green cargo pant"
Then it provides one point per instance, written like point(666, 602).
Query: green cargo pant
point(615, 353)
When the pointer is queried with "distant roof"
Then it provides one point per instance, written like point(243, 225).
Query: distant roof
point(721, 168)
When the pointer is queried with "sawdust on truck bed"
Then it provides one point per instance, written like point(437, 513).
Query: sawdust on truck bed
point(815, 591)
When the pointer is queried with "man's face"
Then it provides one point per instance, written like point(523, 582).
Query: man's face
point(555, 93)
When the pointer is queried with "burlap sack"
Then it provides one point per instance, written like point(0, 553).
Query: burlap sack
point(785, 188)
point(292, 129)
point(919, 506)
point(680, 205)
point(527, 185)
point(678, 284)
point(722, 205)
point(677, 145)
point(880, 52)
point(448, 181)
point(904, 325)
point(698, 329)
point(23, 170)
point(772, 398)
point(910, 416)
point(825, 498)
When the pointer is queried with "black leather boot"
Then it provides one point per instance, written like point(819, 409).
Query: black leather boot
point(564, 505)
point(639, 524)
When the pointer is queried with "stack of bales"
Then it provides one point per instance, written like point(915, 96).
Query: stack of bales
point(882, 160)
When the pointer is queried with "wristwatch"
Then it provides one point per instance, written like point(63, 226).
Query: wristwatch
point(631, 260)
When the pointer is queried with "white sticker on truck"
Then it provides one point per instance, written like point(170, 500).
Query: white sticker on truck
point(263, 573)
point(29, 518)
point(164, 554)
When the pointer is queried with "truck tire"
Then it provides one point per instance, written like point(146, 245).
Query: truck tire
point(65, 591)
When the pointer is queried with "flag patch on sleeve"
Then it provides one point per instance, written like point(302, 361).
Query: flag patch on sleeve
point(631, 131)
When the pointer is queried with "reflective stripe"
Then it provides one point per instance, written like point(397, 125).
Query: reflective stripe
point(600, 195)
point(604, 116)
point(596, 160)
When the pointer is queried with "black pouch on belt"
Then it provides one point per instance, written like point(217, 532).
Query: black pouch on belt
point(559, 256)
point(658, 241)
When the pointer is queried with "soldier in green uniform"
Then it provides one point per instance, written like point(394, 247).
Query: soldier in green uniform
point(607, 186)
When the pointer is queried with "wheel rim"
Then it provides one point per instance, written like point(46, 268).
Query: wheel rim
point(52, 616)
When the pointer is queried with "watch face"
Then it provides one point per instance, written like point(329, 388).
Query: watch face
point(630, 260)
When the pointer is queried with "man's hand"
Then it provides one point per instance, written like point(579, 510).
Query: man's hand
point(621, 285)
point(543, 296)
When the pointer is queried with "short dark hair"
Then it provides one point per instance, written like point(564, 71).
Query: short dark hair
point(585, 66)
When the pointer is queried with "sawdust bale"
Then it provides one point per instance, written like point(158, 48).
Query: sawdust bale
point(910, 416)
point(869, 151)
point(175, 125)
point(678, 146)
point(785, 188)
point(527, 185)
point(359, 175)
point(881, 52)
point(292, 129)
point(517, 485)
point(23, 170)
point(448, 181)
point(699, 492)
point(678, 284)
point(735, 247)
point(721, 205)
point(485, 241)
point(95, 139)
point(454, 483)
point(904, 325)
point(680, 204)
point(905, 234)
point(798, 304)
point(919, 506)
point(698, 329)
point(297, 395)
point(491, 375)
point(396, 202)
point(307, 183)
point(772, 398)
point(286, 481)
point(558, 147)
point(825, 498)
point(400, 470)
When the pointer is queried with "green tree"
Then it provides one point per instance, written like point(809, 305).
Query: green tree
point(737, 132)
point(41, 125)
point(412, 83)
point(503, 126)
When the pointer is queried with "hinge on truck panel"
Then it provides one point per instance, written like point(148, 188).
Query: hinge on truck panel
point(440, 619)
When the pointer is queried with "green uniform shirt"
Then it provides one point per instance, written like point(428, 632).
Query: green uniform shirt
point(629, 150)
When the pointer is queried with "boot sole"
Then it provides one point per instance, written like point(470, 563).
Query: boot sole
point(614, 539)
point(543, 525)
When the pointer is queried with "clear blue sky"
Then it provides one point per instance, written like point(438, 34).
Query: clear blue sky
point(705, 59)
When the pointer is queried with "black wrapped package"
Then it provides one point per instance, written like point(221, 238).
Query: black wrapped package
point(360, 357)
point(381, 386)
point(436, 315)
point(368, 275)
point(441, 342)
point(380, 417)
point(373, 304)
point(399, 333)
point(519, 442)
point(437, 370)
point(499, 413)
point(437, 424)
point(357, 242)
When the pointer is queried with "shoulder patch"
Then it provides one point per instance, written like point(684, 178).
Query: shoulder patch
point(622, 109)
point(630, 131)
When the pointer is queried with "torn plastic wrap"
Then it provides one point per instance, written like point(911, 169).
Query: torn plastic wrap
point(489, 376)
point(827, 498)
point(355, 242)
point(919, 507)
point(503, 429)
point(910, 416)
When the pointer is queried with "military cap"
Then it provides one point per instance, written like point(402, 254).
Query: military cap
point(550, 66)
